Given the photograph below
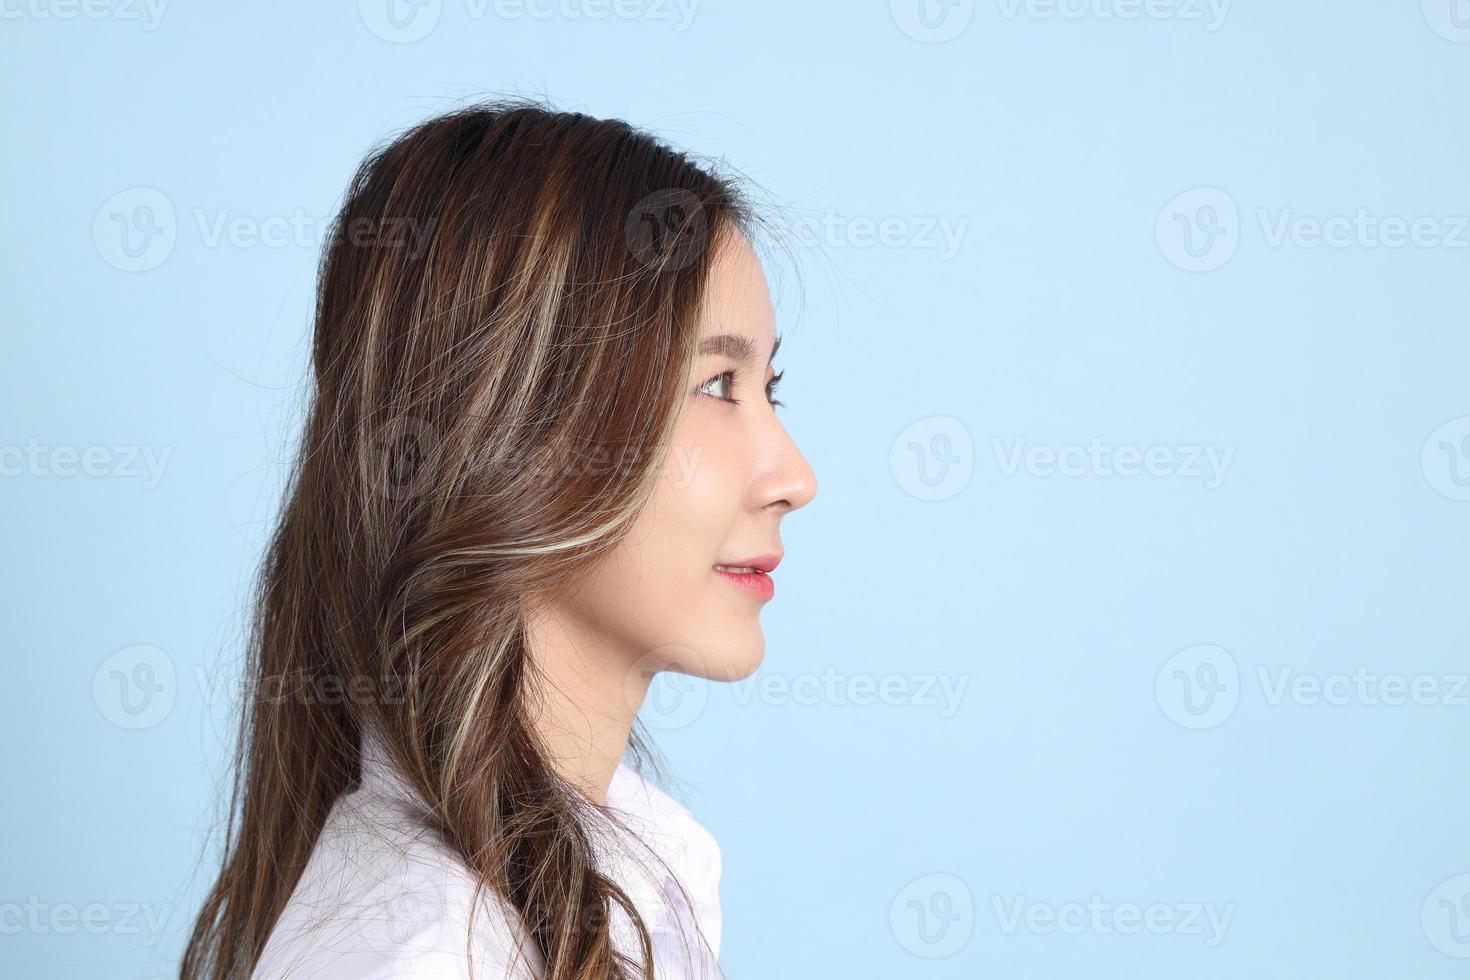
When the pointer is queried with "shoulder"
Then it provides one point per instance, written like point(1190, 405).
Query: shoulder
point(381, 899)
point(680, 846)
point(668, 825)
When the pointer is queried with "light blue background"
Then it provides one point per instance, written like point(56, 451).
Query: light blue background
point(1060, 143)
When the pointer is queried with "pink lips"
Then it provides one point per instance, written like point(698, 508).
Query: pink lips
point(758, 583)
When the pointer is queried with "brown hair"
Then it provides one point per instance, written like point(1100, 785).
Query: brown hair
point(505, 318)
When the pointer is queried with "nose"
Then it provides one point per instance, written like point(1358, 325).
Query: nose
point(784, 481)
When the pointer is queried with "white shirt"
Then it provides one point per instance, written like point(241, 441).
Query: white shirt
point(381, 899)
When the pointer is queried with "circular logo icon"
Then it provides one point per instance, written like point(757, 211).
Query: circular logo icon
point(135, 230)
point(1199, 230)
point(135, 687)
point(1198, 687)
point(1446, 917)
point(932, 21)
point(403, 447)
point(667, 230)
point(400, 21)
point(667, 687)
point(408, 916)
point(933, 458)
point(1446, 459)
point(1450, 19)
point(933, 916)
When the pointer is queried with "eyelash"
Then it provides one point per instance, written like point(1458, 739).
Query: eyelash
point(732, 375)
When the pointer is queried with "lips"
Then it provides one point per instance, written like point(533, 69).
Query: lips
point(760, 563)
point(751, 574)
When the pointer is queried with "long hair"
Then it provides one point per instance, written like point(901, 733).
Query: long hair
point(505, 316)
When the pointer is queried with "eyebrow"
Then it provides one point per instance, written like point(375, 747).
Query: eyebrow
point(736, 346)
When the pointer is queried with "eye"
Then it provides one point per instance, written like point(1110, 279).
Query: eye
point(724, 386)
point(725, 382)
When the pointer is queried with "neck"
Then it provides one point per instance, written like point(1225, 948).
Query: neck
point(584, 698)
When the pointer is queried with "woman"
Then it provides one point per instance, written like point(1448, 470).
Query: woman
point(541, 464)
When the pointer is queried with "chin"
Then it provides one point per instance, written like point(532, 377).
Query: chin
point(730, 658)
point(739, 665)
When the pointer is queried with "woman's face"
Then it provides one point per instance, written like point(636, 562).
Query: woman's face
point(661, 600)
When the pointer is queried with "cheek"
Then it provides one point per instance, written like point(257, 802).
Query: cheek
point(662, 572)
point(700, 497)
point(699, 494)
point(686, 527)
point(659, 587)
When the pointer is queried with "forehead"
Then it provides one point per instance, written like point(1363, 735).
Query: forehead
point(737, 299)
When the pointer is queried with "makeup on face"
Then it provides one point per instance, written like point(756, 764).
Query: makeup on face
point(751, 574)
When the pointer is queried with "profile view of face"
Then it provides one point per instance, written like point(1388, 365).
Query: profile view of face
point(663, 597)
